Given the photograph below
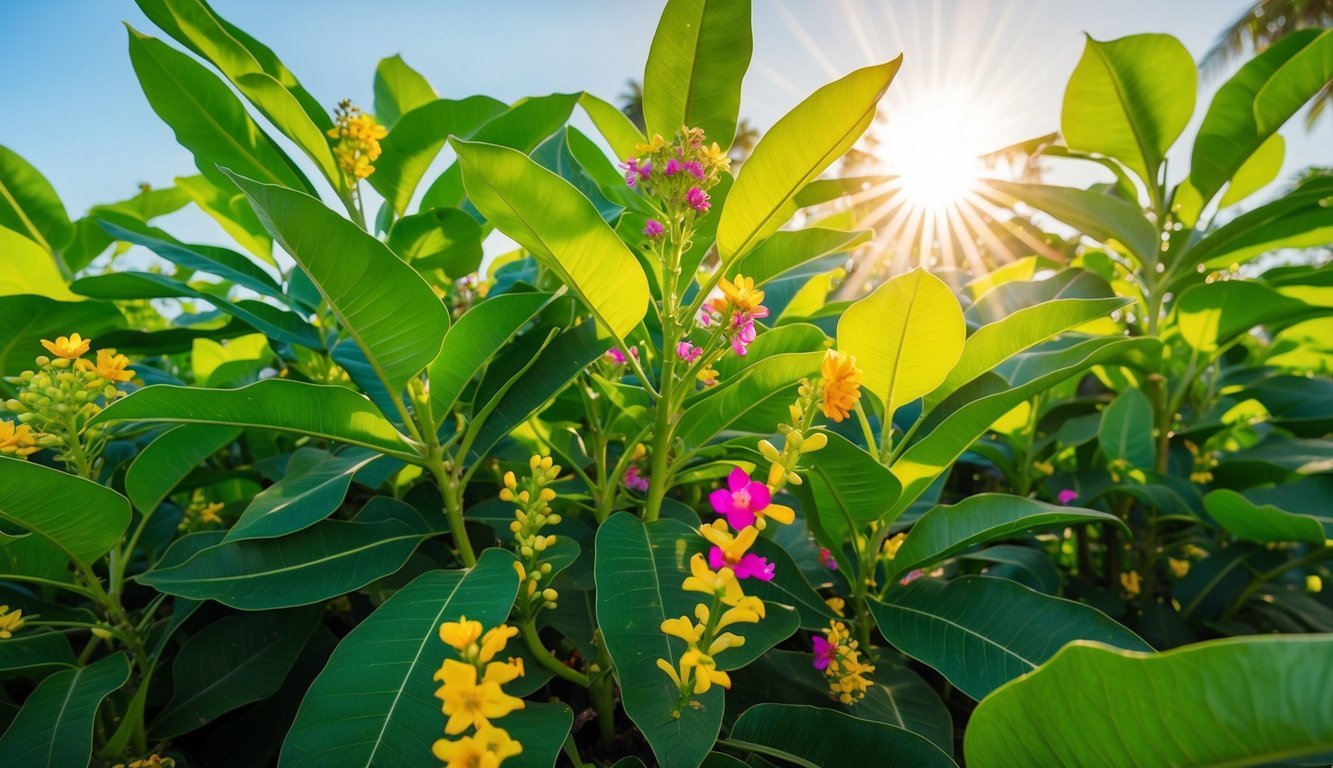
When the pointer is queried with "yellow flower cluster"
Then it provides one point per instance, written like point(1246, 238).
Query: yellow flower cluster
point(472, 696)
point(742, 294)
point(533, 514)
point(152, 761)
point(200, 513)
point(840, 384)
point(10, 621)
point(797, 440)
point(358, 138)
point(56, 402)
point(893, 544)
point(840, 659)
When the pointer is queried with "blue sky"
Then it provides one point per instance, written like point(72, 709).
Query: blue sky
point(76, 111)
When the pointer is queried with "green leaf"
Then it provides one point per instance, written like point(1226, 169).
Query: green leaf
point(541, 729)
point(906, 336)
point(1209, 315)
point(1099, 216)
point(328, 412)
point(1267, 703)
point(226, 264)
point(446, 239)
point(1295, 220)
point(794, 152)
point(229, 208)
point(312, 489)
point(1264, 523)
point(373, 705)
point(1027, 326)
point(29, 204)
point(947, 530)
point(1126, 430)
point(166, 461)
point(814, 737)
point(230, 663)
point(30, 269)
point(849, 487)
point(31, 655)
point(789, 586)
point(399, 89)
point(44, 501)
point(206, 118)
point(476, 338)
point(1129, 99)
point(1254, 103)
point(788, 249)
point(327, 559)
point(754, 401)
point(698, 57)
point(55, 726)
point(418, 137)
point(981, 632)
point(614, 126)
point(25, 320)
point(1256, 172)
point(560, 227)
point(394, 316)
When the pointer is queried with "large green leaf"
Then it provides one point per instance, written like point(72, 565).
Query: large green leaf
point(815, 737)
point(231, 663)
point(55, 726)
point(399, 89)
point(1295, 220)
point(906, 337)
point(794, 152)
point(26, 320)
point(541, 729)
point(614, 126)
point(993, 342)
point(1209, 315)
point(1267, 703)
point(328, 412)
point(1262, 522)
point(447, 239)
point(1099, 216)
point(168, 459)
point(1254, 103)
point(981, 632)
point(947, 530)
point(849, 487)
point(29, 204)
point(313, 487)
point(327, 559)
point(698, 57)
point(229, 208)
point(394, 316)
point(206, 117)
point(373, 704)
point(789, 249)
point(1125, 430)
point(1129, 99)
point(226, 264)
point(81, 517)
point(32, 654)
point(1255, 173)
point(755, 400)
point(560, 227)
point(30, 269)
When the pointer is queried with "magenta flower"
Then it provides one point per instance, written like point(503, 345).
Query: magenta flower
point(826, 559)
point(695, 169)
point(688, 352)
point(634, 171)
point(618, 356)
point(750, 566)
point(745, 334)
point(824, 652)
point(654, 229)
point(636, 480)
point(672, 167)
point(698, 200)
point(740, 499)
point(1067, 496)
point(911, 577)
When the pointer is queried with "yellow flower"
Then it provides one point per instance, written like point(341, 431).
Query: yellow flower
point(1130, 581)
point(17, 439)
point(10, 622)
point(472, 704)
point(494, 641)
point(1179, 568)
point(486, 748)
point(152, 761)
point(836, 604)
point(841, 384)
point(733, 546)
point(706, 673)
point(460, 634)
point(893, 544)
point(209, 514)
point(684, 629)
point(717, 157)
point(358, 138)
point(742, 293)
point(707, 376)
point(721, 583)
point(655, 144)
point(111, 366)
point(68, 347)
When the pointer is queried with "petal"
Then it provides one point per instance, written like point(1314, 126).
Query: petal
point(740, 519)
point(759, 496)
point(755, 567)
point(721, 501)
point(716, 558)
point(738, 479)
point(782, 513)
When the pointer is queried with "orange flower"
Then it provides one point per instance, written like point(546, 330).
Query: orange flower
point(111, 366)
point(742, 294)
point(68, 347)
point(841, 384)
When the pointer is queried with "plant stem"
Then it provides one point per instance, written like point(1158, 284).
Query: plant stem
point(451, 489)
point(1259, 581)
point(528, 629)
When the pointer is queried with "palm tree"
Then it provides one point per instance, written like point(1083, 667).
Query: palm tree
point(631, 102)
point(1263, 24)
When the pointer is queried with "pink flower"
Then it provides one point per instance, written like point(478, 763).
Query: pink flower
point(618, 357)
point(750, 566)
point(654, 229)
point(695, 169)
point(824, 652)
point(826, 559)
point(740, 500)
point(688, 352)
point(698, 200)
point(911, 577)
point(634, 171)
point(672, 167)
point(1067, 496)
point(705, 318)
point(745, 334)
point(635, 480)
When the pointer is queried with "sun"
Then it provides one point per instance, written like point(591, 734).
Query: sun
point(933, 145)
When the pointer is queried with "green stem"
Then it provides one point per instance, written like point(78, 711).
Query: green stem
point(48, 583)
point(453, 510)
point(1259, 581)
point(528, 629)
point(572, 752)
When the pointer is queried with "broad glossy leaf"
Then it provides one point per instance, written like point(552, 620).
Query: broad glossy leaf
point(26, 320)
point(373, 705)
point(560, 227)
point(229, 208)
point(815, 736)
point(789, 586)
point(755, 400)
point(794, 152)
point(788, 249)
point(394, 316)
point(1211, 314)
point(849, 487)
point(1126, 430)
point(328, 412)
point(614, 126)
point(1263, 522)
point(1267, 703)
point(327, 559)
point(399, 89)
point(1099, 216)
point(946, 530)
point(1296, 220)
point(541, 728)
point(29, 204)
point(313, 487)
point(906, 336)
point(1129, 99)
point(55, 725)
point(226, 264)
point(698, 57)
point(168, 459)
point(1256, 172)
point(446, 239)
point(30, 269)
point(33, 654)
point(230, 663)
point(981, 632)
point(44, 500)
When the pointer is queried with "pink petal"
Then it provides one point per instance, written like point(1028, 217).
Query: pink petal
point(716, 559)
point(739, 518)
point(759, 496)
point(721, 501)
point(738, 479)
point(753, 566)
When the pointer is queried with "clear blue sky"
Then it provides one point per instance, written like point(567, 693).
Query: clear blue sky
point(76, 111)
